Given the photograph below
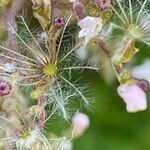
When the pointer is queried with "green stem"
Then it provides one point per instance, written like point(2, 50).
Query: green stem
point(108, 53)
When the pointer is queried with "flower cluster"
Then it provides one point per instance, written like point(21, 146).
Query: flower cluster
point(42, 61)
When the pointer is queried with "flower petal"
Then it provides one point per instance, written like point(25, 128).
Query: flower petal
point(134, 97)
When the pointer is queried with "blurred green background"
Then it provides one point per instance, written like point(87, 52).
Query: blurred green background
point(112, 128)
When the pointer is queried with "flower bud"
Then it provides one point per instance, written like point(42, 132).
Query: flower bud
point(5, 88)
point(78, 8)
point(59, 22)
point(143, 84)
point(41, 121)
point(36, 93)
point(80, 122)
point(103, 4)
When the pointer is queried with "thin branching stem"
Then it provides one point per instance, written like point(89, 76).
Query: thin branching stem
point(140, 12)
point(77, 46)
point(31, 33)
point(62, 35)
point(18, 54)
point(121, 8)
point(13, 30)
point(80, 67)
point(119, 16)
point(18, 60)
point(76, 89)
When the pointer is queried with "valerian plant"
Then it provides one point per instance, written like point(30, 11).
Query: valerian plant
point(67, 35)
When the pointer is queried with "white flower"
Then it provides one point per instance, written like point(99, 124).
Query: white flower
point(80, 122)
point(90, 27)
point(142, 71)
point(134, 97)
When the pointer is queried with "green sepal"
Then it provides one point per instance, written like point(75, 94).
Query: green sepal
point(94, 10)
point(126, 52)
point(43, 14)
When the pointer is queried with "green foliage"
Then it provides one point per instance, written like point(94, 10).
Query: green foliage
point(112, 128)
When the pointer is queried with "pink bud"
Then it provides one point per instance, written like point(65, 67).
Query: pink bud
point(80, 122)
point(59, 22)
point(143, 84)
point(5, 88)
point(41, 120)
point(42, 115)
point(78, 8)
point(41, 100)
point(134, 97)
point(103, 4)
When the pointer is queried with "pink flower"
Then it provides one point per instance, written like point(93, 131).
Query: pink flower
point(134, 97)
point(103, 4)
point(78, 8)
point(59, 22)
point(80, 122)
point(5, 88)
